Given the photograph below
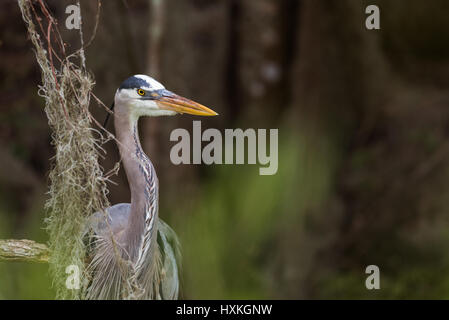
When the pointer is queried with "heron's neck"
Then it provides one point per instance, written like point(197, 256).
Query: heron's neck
point(143, 185)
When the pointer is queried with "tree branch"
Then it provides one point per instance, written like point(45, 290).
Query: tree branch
point(23, 250)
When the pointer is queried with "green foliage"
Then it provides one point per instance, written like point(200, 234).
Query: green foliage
point(230, 234)
point(418, 274)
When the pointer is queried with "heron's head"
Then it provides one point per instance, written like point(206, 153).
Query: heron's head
point(147, 97)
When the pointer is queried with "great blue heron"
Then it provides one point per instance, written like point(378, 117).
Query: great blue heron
point(131, 244)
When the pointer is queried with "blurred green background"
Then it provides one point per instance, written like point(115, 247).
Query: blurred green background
point(362, 114)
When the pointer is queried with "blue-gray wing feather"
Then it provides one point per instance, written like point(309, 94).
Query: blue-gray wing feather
point(168, 245)
point(171, 258)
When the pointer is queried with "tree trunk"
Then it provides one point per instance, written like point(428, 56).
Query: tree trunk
point(339, 78)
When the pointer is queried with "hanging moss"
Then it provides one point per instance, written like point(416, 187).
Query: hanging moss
point(77, 186)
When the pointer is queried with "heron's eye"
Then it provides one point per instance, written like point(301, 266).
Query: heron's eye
point(140, 92)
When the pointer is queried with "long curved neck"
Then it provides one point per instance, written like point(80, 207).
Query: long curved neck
point(143, 183)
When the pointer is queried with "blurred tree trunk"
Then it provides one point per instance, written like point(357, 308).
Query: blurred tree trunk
point(339, 78)
point(339, 60)
point(262, 50)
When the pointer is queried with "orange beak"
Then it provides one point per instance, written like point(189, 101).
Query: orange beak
point(174, 102)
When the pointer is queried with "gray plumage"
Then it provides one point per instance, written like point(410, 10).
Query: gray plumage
point(167, 253)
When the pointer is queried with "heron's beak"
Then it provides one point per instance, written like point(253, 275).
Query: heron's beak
point(171, 101)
